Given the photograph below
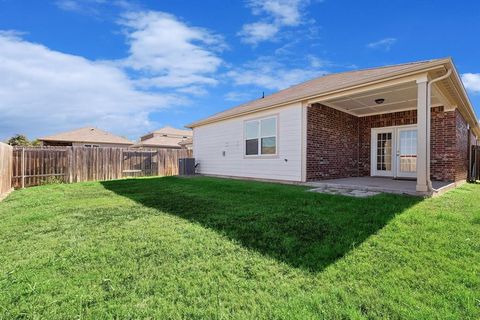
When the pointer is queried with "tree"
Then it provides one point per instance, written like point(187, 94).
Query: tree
point(19, 140)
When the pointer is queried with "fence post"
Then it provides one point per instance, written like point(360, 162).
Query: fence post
point(158, 162)
point(476, 163)
point(70, 164)
point(121, 163)
point(23, 168)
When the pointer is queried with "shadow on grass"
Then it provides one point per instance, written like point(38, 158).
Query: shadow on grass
point(303, 229)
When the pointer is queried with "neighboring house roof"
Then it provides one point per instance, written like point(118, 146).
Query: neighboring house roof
point(186, 142)
point(325, 85)
point(89, 134)
point(160, 142)
point(166, 137)
point(173, 131)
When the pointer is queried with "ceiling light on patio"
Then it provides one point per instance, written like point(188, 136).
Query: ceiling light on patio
point(379, 101)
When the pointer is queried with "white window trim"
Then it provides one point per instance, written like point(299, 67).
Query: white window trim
point(260, 155)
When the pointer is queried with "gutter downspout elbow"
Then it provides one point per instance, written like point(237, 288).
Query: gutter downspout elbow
point(429, 122)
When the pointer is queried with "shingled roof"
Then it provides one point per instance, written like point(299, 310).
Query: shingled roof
point(321, 85)
point(159, 142)
point(88, 134)
point(174, 131)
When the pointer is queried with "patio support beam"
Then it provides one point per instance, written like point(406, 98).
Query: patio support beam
point(422, 136)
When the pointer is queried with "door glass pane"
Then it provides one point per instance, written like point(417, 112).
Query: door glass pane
point(408, 151)
point(384, 151)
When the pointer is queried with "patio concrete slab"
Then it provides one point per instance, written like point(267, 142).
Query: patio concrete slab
point(346, 192)
point(377, 184)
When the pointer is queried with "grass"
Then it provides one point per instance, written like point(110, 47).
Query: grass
point(207, 248)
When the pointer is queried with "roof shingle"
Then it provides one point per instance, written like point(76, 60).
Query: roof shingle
point(160, 142)
point(88, 134)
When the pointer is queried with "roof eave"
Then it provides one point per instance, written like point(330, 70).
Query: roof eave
point(467, 104)
point(419, 69)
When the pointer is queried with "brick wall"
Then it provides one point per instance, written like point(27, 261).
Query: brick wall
point(442, 145)
point(332, 144)
point(338, 144)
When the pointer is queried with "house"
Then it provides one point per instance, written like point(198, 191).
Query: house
point(164, 138)
point(187, 144)
point(408, 121)
point(86, 137)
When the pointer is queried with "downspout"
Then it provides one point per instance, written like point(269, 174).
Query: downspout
point(429, 122)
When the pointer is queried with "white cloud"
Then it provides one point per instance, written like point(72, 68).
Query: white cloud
point(88, 7)
point(168, 53)
point(44, 91)
point(11, 33)
point(471, 82)
point(267, 73)
point(284, 12)
point(254, 33)
point(194, 90)
point(275, 15)
point(238, 96)
point(68, 5)
point(317, 62)
point(383, 44)
point(85, 6)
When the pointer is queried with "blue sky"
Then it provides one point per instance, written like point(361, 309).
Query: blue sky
point(133, 66)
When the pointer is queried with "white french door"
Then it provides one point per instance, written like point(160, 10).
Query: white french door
point(394, 152)
point(382, 152)
point(406, 156)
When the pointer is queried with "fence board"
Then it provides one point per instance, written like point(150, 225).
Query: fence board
point(36, 166)
point(6, 169)
point(474, 164)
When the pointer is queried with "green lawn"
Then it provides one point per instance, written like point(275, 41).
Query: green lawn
point(205, 248)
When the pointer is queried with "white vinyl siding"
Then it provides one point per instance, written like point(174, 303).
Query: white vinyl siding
point(219, 147)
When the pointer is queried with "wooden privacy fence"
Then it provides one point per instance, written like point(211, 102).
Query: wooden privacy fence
point(6, 161)
point(36, 166)
point(475, 164)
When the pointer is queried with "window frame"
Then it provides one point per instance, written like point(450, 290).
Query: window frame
point(259, 137)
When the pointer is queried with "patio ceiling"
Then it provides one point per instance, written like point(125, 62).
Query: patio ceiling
point(396, 98)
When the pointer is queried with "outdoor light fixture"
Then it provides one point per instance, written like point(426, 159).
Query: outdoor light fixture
point(379, 101)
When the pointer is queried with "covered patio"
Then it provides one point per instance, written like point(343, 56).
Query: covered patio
point(364, 186)
point(380, 138)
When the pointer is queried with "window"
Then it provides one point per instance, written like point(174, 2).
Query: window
point(261, 137)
